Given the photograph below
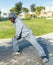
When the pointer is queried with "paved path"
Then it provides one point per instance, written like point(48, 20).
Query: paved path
point(29, 54)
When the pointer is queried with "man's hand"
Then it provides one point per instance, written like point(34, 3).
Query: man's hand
point(13, 39)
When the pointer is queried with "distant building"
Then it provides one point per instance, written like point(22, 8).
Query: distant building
point(48, 12)
point(26, 15)
point(21, 15)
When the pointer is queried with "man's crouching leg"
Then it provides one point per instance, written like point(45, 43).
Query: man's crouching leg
point(16, 47)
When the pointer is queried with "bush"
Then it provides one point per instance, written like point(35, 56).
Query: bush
point(27, 16)
point(3, 19)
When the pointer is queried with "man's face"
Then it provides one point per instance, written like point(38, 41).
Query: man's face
point(12, 19)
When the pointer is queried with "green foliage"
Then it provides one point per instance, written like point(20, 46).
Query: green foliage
point(18, 7)
point(25, 10)
point(4, 13)
point(38, 9)
point(0, 13)
point(37, 13)
point(27, 16)
point(12, 9)
point(3, 19)
point(32, 7)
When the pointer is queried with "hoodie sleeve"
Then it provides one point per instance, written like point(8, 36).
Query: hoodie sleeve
point(19, 26)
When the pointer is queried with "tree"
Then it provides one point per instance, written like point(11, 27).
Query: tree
point(0, 13)
point(39, 8)
point(5, 14)
point(32, 7)
point(13, 10)
point(18, 8)
point(25, 10)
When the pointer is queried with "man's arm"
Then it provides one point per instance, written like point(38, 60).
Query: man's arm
point(19, 26)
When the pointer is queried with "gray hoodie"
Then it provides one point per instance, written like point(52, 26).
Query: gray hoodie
point(21, 29)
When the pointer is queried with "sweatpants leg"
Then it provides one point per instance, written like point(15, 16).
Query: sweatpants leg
point(15, 44)
point(34, 42)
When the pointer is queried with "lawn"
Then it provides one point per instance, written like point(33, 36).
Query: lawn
point(39, 26)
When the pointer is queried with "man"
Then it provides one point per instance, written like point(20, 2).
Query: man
point(23, 32)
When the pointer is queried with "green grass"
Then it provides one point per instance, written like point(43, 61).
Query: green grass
point(6, 29)
point(39, 26)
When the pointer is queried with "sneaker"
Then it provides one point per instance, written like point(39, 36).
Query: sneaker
point(45, 59)
point(17, 53)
